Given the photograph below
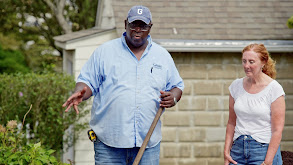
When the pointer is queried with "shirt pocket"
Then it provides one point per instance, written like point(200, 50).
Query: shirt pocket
point(157, 78)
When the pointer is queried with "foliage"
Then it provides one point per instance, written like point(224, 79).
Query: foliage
point(11, 152)
point(12, 61)
point(290, 22)
point(33, 24)
point(47, 121)
point(84, 15)
point(32, 19)
point(8, 42)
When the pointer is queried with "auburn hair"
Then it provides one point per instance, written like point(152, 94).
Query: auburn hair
point(269, 67)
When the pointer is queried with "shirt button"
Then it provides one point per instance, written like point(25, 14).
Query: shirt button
point(245, 137)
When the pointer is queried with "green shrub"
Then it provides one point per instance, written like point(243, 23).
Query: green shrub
point(11, 152)
point(47, 121)
point(290, 22)
point(12, 61)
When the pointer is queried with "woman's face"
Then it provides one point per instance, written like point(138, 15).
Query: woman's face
point(252, 64)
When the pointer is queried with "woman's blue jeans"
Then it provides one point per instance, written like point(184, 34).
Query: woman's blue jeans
point(247, 151)
point(105, 155)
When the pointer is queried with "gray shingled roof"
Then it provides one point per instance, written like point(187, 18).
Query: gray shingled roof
point(213, 19)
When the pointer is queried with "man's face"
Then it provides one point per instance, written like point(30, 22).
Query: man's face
point(137, 33)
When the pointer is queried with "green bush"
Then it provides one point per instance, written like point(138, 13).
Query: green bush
point(11, 152)
point(47, 121)
point(290, 22)
point(12, 61)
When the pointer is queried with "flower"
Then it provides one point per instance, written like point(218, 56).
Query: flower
point(11, 124)
point(2, 129)
point(20, 94)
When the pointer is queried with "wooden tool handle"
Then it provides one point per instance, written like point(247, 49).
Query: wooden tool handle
point(148, 136)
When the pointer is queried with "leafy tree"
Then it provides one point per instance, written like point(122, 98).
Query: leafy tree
point(34, 23)
point(47, 18)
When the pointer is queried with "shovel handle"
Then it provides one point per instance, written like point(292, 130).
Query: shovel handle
point(148, 136)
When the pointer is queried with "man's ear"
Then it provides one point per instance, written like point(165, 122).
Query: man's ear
point(125, 23)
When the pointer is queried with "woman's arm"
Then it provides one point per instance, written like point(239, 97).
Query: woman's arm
point(230, 132)
point(277, 120)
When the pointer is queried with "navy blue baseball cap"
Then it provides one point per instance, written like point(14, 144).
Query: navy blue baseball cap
point(139, 13)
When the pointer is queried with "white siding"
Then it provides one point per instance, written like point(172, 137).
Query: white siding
point(78, 52)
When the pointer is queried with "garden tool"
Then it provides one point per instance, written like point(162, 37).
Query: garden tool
point(148, 136)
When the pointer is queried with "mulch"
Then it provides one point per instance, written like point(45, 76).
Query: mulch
point(287, 157)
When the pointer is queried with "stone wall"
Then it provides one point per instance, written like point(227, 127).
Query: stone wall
point(194, 130)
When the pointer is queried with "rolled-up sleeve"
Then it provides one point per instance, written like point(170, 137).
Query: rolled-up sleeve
point(90, 73)
point(174, 79)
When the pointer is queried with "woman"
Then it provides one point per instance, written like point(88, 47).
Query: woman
point(256, 112)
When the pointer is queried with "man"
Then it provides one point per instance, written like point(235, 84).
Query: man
point(130, 78)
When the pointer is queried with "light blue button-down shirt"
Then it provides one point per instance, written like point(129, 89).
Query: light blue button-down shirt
point(127, 91)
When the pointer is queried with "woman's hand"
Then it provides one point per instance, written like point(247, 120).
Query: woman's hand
point(228, 159)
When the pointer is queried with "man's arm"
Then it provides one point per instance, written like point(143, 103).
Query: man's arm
point(79, 87)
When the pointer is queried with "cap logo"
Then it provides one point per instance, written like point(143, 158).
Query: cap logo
point(139, 11)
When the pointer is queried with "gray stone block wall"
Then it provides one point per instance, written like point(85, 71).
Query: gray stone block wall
point(194, 130)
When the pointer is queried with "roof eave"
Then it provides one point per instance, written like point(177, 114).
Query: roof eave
point(64, 43)
point(222, 45)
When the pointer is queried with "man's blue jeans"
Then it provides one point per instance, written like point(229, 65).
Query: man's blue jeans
point(247, 151)
point(105, 155)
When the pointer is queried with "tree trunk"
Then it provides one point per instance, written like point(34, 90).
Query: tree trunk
point(58, 12)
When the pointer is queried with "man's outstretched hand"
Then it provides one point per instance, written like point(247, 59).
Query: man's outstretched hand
point(74, 100)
